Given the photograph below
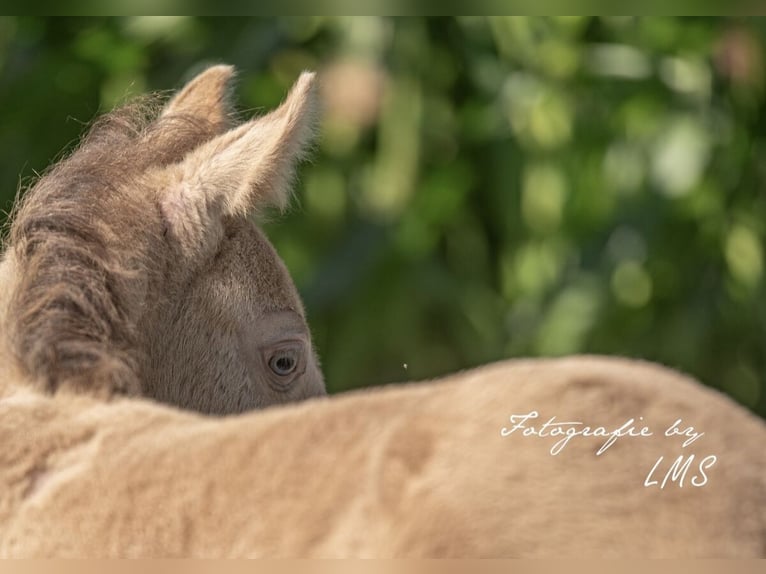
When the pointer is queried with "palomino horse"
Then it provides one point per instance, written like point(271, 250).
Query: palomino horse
point(133, 274)
point(133, 267)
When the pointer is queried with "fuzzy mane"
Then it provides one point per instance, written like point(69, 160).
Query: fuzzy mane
point(83, 238)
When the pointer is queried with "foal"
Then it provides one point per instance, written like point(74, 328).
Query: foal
point(133, 269)
point(133, 266)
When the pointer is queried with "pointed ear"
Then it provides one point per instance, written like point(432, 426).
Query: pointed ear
point(240, 171)
point(205, 97)
point(198, 112)
point(253, 165)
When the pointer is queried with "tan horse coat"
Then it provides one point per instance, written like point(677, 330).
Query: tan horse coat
point(419, 470)
point(90, 469)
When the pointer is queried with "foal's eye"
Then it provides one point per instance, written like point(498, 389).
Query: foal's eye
point(283, 362)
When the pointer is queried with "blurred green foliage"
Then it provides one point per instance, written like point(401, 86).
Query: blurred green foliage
point(484, 187)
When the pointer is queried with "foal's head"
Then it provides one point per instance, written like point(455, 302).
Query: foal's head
point(137, 266)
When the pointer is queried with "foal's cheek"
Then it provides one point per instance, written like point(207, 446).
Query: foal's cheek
point(251, 362)
point(313, 381)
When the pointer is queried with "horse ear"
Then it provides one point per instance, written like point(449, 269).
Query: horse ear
point(205, 97)
point(248, 167)
point(240, 171)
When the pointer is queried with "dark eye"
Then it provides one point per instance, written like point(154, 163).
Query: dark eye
point(283, 362)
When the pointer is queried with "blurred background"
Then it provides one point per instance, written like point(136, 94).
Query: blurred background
point(484, 188)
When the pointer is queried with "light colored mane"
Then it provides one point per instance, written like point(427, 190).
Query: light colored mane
point(69, 321)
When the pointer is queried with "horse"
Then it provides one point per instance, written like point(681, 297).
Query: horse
point(138, 300)
point(135, 266)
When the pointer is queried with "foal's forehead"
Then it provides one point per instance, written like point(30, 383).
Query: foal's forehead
point(247, 257)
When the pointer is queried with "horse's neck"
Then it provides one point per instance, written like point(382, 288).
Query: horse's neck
point(11, 379)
